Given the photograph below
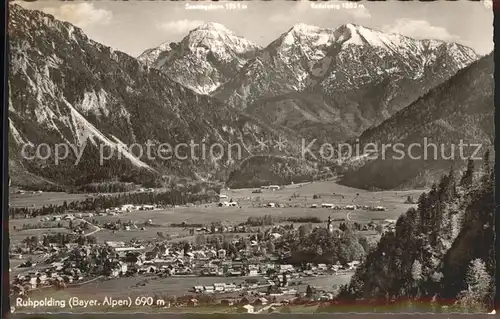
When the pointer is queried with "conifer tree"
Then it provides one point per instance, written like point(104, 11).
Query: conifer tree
point(468, 175)
point(486, 166)
point(478, 288)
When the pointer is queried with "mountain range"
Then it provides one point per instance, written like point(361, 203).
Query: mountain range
point(349, 78)
point(214, 86)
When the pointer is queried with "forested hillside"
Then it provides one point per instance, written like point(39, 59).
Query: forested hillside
point(442, 253)
point(459, 110)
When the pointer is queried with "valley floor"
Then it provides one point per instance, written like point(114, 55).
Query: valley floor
point(294, 201)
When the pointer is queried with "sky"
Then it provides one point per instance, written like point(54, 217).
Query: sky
point(134, 26)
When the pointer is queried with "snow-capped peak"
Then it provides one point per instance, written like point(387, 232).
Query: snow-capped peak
point(359, 35)
point(307, 34)
point(305, 28)
point(213, 26)
point(218, 39)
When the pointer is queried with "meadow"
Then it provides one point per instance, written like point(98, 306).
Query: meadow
point(295, 201)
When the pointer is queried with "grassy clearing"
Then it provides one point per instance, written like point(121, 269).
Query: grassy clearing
point(329, 192)
point(43, 199)
point(20, 235)
point(140, 286)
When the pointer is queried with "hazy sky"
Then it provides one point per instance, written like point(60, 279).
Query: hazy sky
point(134, 26)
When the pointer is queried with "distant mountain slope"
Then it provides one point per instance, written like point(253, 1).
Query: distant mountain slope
point(206, 58)
point(351, 77)
point(65, 87)
point(459, 109)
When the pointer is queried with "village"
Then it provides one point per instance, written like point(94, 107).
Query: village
point(259, 260)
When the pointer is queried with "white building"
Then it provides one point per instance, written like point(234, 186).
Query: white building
point(246, 309)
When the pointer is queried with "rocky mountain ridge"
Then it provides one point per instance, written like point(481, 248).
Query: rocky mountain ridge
point(66, 88)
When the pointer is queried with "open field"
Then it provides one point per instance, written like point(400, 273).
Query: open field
point(19, 235)
point(251, 204)
point(43, 199)
point(134, 287)
point(330, 192)
point(141, 286)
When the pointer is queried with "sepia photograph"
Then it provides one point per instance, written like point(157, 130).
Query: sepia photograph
point(293, 157)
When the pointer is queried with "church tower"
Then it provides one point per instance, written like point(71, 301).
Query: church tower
point(329, 225)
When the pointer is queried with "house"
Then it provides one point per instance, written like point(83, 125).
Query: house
point(322, 267)
point(233, 204)
point(246, 309)
point(119, 268)
point(223, 197)
point(125, 249)
point(230, 287)
point(127, 207)
point(197, 289)
point(114, 244)
point(272, 205)
point(275, 236)
point(261, 301)
point(314, 206)
point(353, 264)
point(192, 303)
point(221, 253)
point(286, 268)
point(148, 269)
point(253, 273)
point(219, 287)
point(324, 205)
point(235, 273)
point(274, 187)
point(350, 207)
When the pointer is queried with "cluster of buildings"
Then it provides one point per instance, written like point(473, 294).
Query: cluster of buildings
point(56, 275)
point(107, 212)
point(350, 207)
